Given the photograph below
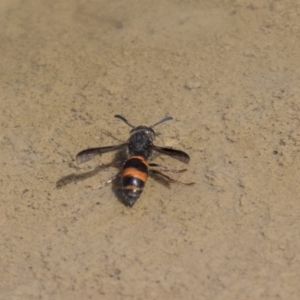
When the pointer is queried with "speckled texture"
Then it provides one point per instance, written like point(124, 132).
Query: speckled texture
point(228, 72)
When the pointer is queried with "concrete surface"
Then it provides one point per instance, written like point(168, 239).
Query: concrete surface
point(228, 72)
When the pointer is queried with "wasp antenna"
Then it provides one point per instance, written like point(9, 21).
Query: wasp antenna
point(163, 120)
point(124, 120)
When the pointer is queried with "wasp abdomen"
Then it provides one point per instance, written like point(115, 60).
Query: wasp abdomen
point(134, 177)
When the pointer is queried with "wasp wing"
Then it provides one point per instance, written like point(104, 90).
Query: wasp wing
point(177, 154)
point(88, 154)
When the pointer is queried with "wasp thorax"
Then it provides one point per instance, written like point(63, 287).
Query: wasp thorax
point(140, 140)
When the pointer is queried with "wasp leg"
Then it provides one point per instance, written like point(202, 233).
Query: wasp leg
point(169, 178)
point(166, 168)
point(103, 183)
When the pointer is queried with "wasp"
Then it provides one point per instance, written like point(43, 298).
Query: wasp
point(140, 149)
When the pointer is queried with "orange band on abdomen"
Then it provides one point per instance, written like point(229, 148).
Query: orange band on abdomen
point(133, 172)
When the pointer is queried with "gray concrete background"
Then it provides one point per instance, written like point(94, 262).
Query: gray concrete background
point(228, 72)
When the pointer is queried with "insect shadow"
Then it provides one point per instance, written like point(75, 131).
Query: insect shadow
point(75, 178)
point(116, 185)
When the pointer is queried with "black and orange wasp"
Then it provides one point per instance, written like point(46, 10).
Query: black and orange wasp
point(139, 150)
